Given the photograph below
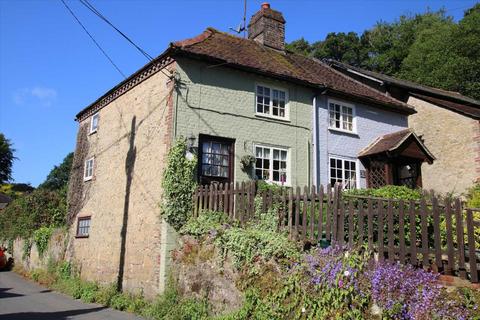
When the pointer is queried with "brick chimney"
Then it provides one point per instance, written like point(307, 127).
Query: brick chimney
point(267, 27)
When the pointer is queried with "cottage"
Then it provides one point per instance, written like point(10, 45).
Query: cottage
point(447, 122)
point(302, 121)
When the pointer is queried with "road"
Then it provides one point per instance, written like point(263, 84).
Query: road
point(21, 299)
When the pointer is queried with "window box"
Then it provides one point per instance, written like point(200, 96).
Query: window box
point(341, 117)
point(271, 102)
point(272, 164)
point(83, 227)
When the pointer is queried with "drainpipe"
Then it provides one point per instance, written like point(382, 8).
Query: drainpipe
point(315, 141)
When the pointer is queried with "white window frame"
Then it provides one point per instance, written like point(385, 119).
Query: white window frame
point(354, 116)
point(287, 182)
point(85, 172)
point(343, 159)
point(92, 129)
point(270, 114)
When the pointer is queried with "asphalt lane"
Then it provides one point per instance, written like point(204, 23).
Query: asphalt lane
point(21, 299)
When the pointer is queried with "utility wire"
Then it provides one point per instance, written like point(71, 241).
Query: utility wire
point(89, 6)
point(93, 39)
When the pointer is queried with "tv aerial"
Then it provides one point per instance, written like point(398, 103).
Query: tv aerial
point(242, 27)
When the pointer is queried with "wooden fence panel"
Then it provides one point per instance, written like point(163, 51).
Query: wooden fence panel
point(312, 214)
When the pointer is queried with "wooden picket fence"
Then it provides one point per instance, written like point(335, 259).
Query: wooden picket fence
point(431, 233)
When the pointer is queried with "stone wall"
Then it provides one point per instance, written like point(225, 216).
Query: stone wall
point(453, 139)
point(54, 252)
point(130, 147)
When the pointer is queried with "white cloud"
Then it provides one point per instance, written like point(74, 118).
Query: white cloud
point(36, 95)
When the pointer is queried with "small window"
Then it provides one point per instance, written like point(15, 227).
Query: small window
point(271, 164)
point(88, 174)
point(215, 159)
point(343, 171)
point(341, 116)
point(94, 123)
point(83, 227)
point(271, 102)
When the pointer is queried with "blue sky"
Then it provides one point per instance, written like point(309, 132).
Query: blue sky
point(50, 69)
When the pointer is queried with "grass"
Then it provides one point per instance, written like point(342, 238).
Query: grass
point(63, 277)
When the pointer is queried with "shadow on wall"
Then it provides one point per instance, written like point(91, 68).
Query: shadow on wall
point(129, 166)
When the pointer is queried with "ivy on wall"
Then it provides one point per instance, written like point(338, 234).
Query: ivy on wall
point(178, 185)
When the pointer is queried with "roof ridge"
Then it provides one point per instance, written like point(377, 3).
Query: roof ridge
point(197, 39)
point(359, 82)
point(371, 73)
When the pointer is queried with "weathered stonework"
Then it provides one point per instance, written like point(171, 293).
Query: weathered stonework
point(454, 140)
point(130, 148)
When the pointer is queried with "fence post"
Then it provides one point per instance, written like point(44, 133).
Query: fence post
point(391, 251)
point(401, 230)
point(290, 212)
point(328, 215)
point(381, 225)
point(471, 247)
point(320, 214)
point(450, 249)
point(425, 251)
point(460, 242)
point(413, 233)
point(436, 234)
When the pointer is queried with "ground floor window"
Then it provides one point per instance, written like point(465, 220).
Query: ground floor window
point(83, 227)
point(343, 171)
point(271, 164)
point(216, 160)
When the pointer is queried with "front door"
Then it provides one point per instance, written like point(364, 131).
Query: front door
point(216, 160)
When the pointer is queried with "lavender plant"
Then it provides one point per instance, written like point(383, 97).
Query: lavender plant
point(403, 292)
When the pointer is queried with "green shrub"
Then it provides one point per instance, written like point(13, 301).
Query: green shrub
point(206, 221)
point(178, 185)
point(105, 294)
point(89, 292)
point(32, 211)
point(41, 237)
point(473, 197)
point(391, 192)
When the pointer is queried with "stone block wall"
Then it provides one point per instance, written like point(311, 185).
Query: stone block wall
point(454, 140)
point(54, 252)
point(130, 147)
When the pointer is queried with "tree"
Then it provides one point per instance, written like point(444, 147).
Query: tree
point(429, 49)
point(6, 159)
point(59, 175)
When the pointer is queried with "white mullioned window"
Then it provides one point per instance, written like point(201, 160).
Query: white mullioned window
point(88, 173)
point(271, 102)
point(343, 171)
point(341, 116)
point(94, 123)
point(272, 164)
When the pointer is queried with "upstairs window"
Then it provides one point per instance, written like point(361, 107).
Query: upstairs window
point(342, 116)
point(271, 164)
point(271, 102)
point(83, 227)
point(343, 171)
point(88, 173)
point(94, 123)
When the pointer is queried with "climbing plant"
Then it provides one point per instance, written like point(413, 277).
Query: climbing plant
point(178, 185)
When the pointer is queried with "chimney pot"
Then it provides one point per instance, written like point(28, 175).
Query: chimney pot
point(265, 5)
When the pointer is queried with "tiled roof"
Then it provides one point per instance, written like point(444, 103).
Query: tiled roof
point(455, 106)
point(391, 142)
point(252, 56)
point(448, 99)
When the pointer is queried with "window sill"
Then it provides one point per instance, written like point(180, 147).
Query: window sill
point(92, 132)
point(87, 179)
point(352, 133)
point(81, 237)
point(261, 115)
